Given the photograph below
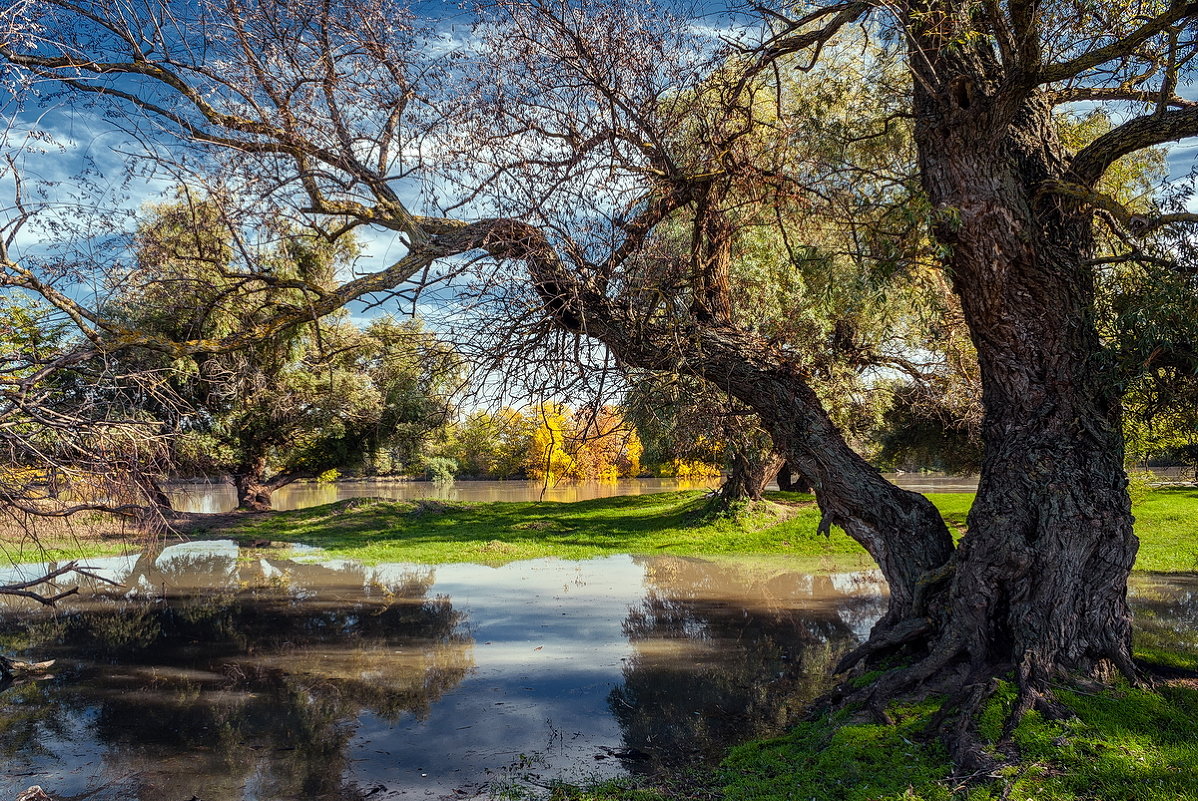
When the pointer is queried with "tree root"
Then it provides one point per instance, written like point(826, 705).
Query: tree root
point(971, 682)
point(892, 638)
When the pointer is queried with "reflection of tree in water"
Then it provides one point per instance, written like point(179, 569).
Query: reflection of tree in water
point(256, 684)
point(726, 653)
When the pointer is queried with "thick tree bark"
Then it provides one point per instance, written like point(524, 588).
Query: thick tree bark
point(1040, 580)
point(1042, 576)
point(791, 481)
point(254, 492)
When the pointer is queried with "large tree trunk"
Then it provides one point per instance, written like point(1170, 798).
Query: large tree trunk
point(1040, 580)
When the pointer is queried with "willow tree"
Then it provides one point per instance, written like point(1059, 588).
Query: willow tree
point(568, 147)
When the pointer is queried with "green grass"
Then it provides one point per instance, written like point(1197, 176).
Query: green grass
point(669, 522)
point(1167, 524)
point(1124, 745)
point(435, 532)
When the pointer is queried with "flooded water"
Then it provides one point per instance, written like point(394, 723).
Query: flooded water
point(229, 679)
point(209, 675)
point(209, 497)
point(217, 497)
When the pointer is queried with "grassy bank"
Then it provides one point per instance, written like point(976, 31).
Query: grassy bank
point(670, 522)
point(437, 531)
point(1125, 744)
point(433, 532)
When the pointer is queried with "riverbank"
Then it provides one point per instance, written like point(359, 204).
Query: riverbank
point(435, 532)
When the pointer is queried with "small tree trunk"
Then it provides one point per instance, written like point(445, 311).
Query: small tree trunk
point(790, 481)
point(747, 481)
point(254, 492)
point(156, 495)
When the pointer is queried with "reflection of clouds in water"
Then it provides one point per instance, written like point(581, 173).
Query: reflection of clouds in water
point(112, 568)
point(385, 672)
point(218, 554)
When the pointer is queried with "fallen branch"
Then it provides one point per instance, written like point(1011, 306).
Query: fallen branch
point(25, 589)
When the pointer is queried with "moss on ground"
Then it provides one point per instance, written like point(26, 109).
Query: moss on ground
point(1125, 744)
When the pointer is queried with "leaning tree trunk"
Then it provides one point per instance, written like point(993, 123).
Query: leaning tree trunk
point(901, 530)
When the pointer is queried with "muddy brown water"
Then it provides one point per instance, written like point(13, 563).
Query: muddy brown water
point(223, 678)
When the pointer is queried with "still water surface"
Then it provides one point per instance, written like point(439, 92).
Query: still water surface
point(217, 497)
point(225, 678)
point(259, 679)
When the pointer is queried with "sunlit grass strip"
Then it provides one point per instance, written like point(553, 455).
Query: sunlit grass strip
point(1125, 744)
point(668, 523)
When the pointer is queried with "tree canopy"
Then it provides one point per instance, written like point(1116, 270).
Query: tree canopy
point(592, 168)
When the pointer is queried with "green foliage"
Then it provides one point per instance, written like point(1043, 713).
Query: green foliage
point(688, 427)
point(935, 425)
point(320, 396)
point(547, 441)
point(439, 468)
point(487, 445)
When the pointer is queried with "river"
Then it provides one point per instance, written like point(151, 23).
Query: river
point(210, 497)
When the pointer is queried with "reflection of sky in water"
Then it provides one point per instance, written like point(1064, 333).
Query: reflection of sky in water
point(494, 667)
point(532, 657)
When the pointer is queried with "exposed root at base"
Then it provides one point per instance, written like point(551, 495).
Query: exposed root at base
point(969, 684)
